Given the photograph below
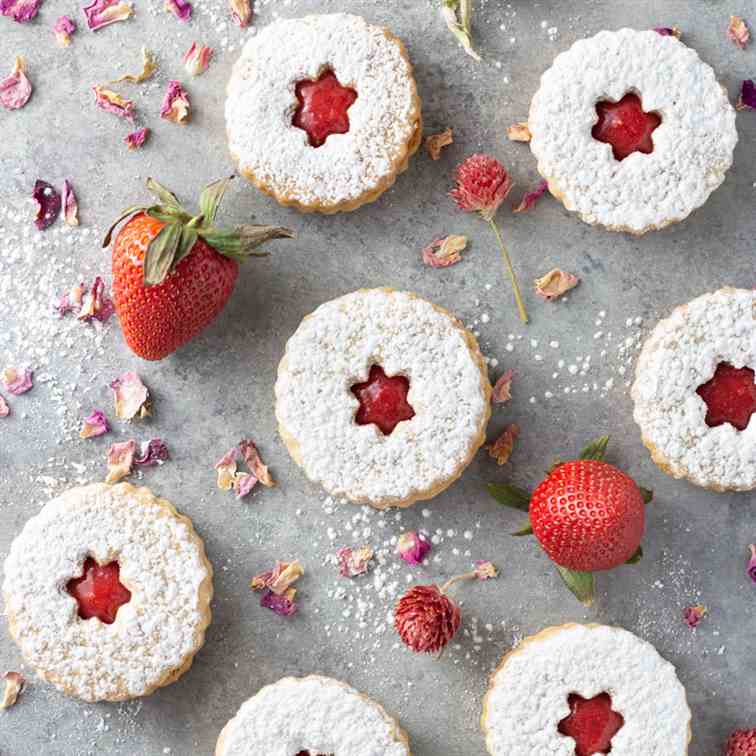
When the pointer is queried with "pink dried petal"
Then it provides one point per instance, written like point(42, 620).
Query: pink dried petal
point(243, 484)
point(48, 204)
point(279, 579)
point(283, 606)
point(226, 467)
point(63, 29)
point(180, 8)
point(112, 102)
point(442, 253)
point(96, 304)
point(413, 547)
point(120, 460)
point(176, 106)
point(70, 205)
point(519, 132)
point(501, 449)
point(20, 10)
point(17, 381)
point(197, 58)
point(485, 570)
point(530, 198)
point(14, 684)
point(252, 458)
point(70, 301)
point(15, 89)
point(738, 32)
point(95, 425)
point(354, 562)
point(502, 390)
point(101, 13)
point(482, 184)
point(131, 396)
point(555, 283)
point(137, 138)
point(152, 452)
point(435, 143)
point(747, 96)
point(241, 10)
point(751, 569)
point(4, 408)
point(668, 31)
point(692, 615)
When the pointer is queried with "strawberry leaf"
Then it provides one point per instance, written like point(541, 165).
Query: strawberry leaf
point(596, 449)
point(647, 494)
point(125, 214)
point(167, 198)
point(635, 558)
point(244, 241)
point(510, 496)
point(582, 584)
point(527, 530)
point(161, 254)
point(188, 237)
point(211, 197)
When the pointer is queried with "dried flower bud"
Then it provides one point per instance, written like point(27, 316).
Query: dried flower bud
point(482, 184)
point(694, 614)
point(426, 619)
point(413, 547)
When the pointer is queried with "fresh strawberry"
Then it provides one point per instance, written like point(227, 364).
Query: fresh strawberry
point(173, 272)
point(741, 743)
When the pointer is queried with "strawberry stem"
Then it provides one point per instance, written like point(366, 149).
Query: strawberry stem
point(512, 276)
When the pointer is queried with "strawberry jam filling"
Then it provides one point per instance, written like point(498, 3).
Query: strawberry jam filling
point(730, 396)
point(625, 126)
point(323, 106)
point(383, 400)
point(98, 592)
point(591, 723)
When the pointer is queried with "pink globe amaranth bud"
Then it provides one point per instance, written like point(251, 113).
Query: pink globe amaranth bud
point(426, 619)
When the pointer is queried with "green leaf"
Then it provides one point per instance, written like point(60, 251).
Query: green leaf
point(510, 496)
point(596, 449)
point(647, 494)
point(168, 214)
point(124, 214)
point(166, 196)
point(211, 197)
point(635, 558)
point(244, 241)
point(582, 584)
point(161, 253)
point(527, 530)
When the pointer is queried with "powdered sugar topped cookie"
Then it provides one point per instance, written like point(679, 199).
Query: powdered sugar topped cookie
point(382, 397)
point(311, 716)
point(632, 130)
point(322, 111)
point(695, 391)
point(107, 592)
point(585, 689)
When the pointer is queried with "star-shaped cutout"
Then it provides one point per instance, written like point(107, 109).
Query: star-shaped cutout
point(625, 126)
point(592, 723)
point(383, 400)
point(99, 592)
point(323, 106)
point(730, 396)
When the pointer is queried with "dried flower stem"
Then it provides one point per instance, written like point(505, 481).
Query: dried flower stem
point(458, 579)
point(513, 278)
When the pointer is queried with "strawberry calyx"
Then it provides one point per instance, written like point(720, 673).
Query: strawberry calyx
point(181, 230)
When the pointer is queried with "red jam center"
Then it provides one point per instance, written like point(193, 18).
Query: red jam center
point(322, 108)
point(730, 396)
point(98, 591)
point(591, 724)
point(383, 400)
point(625, 126)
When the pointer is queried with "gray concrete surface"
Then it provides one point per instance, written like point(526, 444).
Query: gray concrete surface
point(220, 388)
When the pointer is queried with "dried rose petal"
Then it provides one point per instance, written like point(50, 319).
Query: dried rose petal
point(502, 390)
point(112, 102)
point(197, 58)
point(48, 204)
point(251, 457)
point(120, 460)
point(14, 684)
point(442, 253)
point(485, 570)
point(692, 615)
point(353, 562)
point(17, 381)
point(149, 66)
point(70, 301)
point(137, 138)
point(241, 11)
point(519, 132)
point(283, 606)
point(752, 563)
point(101, 13)
point(738, 32)
point(279, 579)
point(501, 449)
point(152, 452)
point(176, 106)
point(530, 198)
point(20, 10)
point(180, 8)
point(4, 408)
point(70, 205)
point(413, 547)
point(747, 96)
point(226, 467)
point(668, 31)
point(555, 283)
point(96, 304)
point(131, 396)
point(243, 484)
point(63, 29)
point(15, 89)
point(436, 142)
point(95, 425)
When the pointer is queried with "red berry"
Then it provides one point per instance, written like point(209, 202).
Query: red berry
point(99, 592)
point(323, 106)
point(157, 320)
point(591, 723)
point(426, 619)
point(741, 743)
point(625, 126)
point(730, 396)
point(588, 515)
point(383, 400)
